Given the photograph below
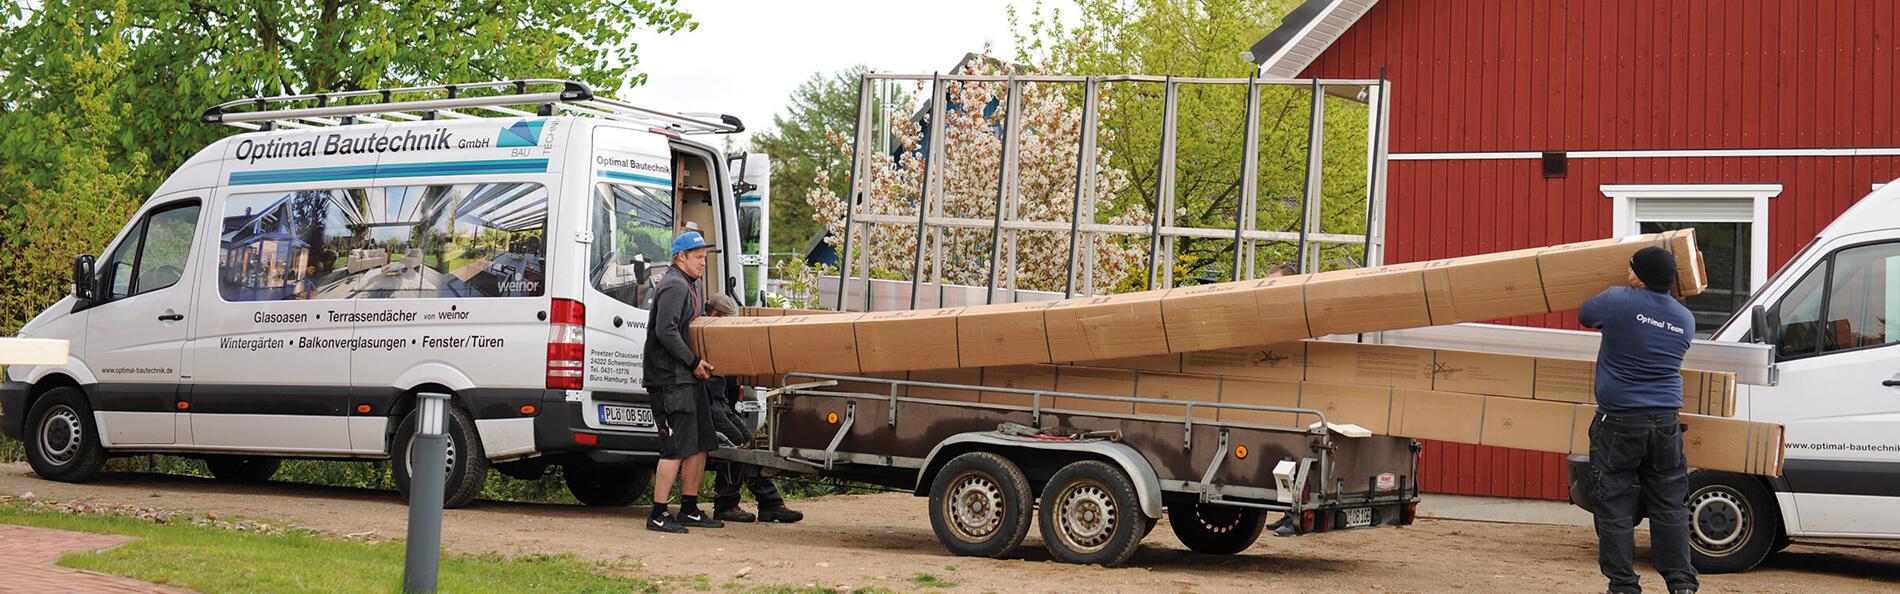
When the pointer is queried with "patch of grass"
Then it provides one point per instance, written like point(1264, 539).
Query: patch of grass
point(210, 559)
point(930, 581)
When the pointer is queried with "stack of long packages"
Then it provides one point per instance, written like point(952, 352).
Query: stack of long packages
point(1241, 342)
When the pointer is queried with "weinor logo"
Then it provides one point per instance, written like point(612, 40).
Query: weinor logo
point(523, 133)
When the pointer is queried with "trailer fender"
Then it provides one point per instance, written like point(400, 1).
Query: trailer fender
point(1147, 483)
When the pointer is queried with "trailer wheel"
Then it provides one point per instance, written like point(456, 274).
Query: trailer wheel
point(242, 469)
point(62, 443)
point(1733, 522)
point(606, 486)
point(467, 468)
point(1090, 515)
point(1216, 529)
point(979, 505)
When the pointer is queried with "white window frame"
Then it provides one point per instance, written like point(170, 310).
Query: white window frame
point(1623, 213)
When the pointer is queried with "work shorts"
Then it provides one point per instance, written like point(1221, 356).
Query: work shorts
point(684, 419)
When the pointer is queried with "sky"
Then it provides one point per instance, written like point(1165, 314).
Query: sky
point(748, 56)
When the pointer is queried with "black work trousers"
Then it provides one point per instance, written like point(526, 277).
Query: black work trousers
point(1641, 456)
point(729, 477)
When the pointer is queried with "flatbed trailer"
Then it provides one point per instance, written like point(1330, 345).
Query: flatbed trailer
point(1098, 482)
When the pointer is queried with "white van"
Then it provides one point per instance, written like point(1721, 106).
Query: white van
point(1833, 316)
point(288, 291)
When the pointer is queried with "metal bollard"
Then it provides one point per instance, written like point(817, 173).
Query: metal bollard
point(428, 460)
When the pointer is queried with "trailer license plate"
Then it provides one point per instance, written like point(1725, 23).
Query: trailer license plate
point(626, 416)
point(1359, 518)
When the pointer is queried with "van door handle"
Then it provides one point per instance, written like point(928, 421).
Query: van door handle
point(1890, 383)
point(171, 317)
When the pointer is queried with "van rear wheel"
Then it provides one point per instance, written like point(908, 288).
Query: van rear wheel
point(246, 469)
point(606, 486)
point(467, 469)
point(62, 443)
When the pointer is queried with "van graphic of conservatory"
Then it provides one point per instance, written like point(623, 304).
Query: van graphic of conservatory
point(470, 240)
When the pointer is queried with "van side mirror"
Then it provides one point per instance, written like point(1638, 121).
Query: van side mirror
point(1764, 332)
point(640, 272)
point(83, 282)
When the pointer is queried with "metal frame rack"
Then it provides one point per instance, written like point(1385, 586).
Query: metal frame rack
point(374, 106)
point(931, 220)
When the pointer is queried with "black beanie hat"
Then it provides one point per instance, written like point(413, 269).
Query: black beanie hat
point(1656, 267)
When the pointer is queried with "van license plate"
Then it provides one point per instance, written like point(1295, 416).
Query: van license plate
point(627, 416)
point(1359, 518)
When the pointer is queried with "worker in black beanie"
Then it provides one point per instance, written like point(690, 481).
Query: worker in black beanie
point(1655, 268)
point(1636, 437)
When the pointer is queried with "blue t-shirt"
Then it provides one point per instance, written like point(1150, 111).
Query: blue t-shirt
point(1639, 365)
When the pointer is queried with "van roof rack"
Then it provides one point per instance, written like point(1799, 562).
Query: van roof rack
point(345, 108)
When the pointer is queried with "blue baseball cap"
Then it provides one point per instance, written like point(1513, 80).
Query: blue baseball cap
point(689, 241)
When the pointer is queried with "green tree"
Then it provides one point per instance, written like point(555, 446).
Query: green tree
point(1204, 38)
point(804, 155)
point(46, 222)
point(100, 98)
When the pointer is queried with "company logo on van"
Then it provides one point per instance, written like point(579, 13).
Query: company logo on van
point(523, 133)
point(251, 150)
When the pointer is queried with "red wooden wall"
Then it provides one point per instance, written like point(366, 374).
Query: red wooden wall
point(1584, 75)
point(1631, 75)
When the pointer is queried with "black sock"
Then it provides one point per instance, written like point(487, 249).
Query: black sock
point(689, 503)
point(659, 509)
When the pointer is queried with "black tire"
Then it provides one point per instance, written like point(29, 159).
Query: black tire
point(242, 469)
point(1090, 515)
point(1216, 529)
point(62, 441)
point(606, 486)
point(467, 468)
point(980, 505)
point(1733, 521)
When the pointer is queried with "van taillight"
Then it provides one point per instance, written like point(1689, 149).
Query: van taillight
point(566, 344)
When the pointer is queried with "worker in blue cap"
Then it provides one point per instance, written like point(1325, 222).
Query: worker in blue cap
point(674, 378)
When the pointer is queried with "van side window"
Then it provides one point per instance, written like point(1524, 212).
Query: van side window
point(633, 233)
point(1799, 316)
point(1851, 300)
point(468, 240)
point(153, 254)
point(1861, 301)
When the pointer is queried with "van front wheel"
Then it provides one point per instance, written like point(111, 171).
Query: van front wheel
point(63, 441)
point(467, 469)
point(1733, 521)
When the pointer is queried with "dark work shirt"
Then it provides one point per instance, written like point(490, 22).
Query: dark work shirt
point(667, 360)
point(1639, 365)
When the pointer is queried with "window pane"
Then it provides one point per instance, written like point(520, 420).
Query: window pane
point(1726, 257)
point(1860, 302)
point(633, 233)
point(1799, 316)
point(167, 244)
point(117, 270)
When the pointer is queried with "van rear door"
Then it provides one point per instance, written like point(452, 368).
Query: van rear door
point(631, 218)
point(136, 334)
point(1839, 390)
